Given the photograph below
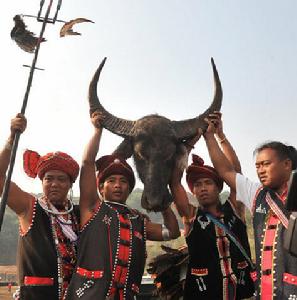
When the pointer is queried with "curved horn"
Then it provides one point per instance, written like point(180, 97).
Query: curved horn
point(188, 128)
point(116, 125)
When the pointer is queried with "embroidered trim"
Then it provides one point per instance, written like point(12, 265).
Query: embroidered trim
point(289, 278)
point(231, 236)
point(81, 291)
point(123, 256)
point(117, 253)
point(277, 210)
point(135, 288)
point(89, 274)
point(83, 227)
point(269, 238)
point(38, 281)
point(125, 245)
point(33, 213)
point(199, 272)
point(223, 246)
point(129, 259)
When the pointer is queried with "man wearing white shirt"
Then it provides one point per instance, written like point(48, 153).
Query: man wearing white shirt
point(276, 269)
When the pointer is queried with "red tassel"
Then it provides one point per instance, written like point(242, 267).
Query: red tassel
point(30, 161)
point(197, 160)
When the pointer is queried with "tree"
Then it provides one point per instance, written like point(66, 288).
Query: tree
point(9, 238)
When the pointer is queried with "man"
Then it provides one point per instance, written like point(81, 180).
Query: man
point(111, 253)
point(184, 207)
point(48, 225)
point(9, 285)
point(276, 275)
point(219, 254)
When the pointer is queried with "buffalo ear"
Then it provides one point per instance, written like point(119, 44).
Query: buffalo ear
point(125, 149)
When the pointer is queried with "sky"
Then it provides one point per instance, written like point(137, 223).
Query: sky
point(158, 61)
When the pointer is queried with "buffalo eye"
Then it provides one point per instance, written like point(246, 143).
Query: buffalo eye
point(140, 151)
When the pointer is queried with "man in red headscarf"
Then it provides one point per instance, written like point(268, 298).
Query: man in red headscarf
point(48, 225)
point(219, 253)
point(112, 253)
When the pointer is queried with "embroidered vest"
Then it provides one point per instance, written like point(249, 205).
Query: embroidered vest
point(215, 261)
point(284, 265)
point(37, 260)
point(111, 255)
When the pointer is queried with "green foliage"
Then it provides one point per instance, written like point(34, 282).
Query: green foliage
point(134, 201)
point(9, 233)
point(9, 238)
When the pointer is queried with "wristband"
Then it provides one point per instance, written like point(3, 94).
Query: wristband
point(165, 233)
point(222, 140)
point(8, 145)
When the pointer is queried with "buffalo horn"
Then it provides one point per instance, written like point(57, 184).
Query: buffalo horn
point(188, 128)
point(116, 125)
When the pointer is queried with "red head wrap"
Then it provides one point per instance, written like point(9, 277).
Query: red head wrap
point(198, 170)
point(34, 164)
point(113, 165)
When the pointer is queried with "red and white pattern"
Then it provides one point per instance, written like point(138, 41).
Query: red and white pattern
point(274, 219)
point(223, 246)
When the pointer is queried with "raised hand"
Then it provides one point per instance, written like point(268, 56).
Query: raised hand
point(97, 119)
point(18, 123)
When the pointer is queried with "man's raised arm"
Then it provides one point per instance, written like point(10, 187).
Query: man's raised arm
point(88, 187)
point(218, 158)
point(18, 200)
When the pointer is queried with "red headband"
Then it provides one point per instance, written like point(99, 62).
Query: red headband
point(34, 164)
point(198, 170)
point(112, 165)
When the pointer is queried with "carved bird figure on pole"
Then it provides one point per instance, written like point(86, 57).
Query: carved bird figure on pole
point(24, 38)
point(67, 27)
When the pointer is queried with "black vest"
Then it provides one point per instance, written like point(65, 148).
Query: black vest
point(205, 276)
point(37, 259)
point(284, 264)
point(111, 255)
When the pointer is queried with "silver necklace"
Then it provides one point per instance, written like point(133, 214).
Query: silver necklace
point(65, 212)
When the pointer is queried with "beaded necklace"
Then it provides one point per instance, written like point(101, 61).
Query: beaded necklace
point(66, 255)
point(66, 250)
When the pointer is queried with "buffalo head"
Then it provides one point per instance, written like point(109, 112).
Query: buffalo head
point(154, 142)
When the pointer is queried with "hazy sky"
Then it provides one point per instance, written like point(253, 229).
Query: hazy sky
point(158, 62)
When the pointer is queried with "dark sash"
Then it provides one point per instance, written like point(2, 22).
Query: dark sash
point(232, 237)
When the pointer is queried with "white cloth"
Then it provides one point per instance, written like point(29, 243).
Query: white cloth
point(246, 190)
point(66, 225)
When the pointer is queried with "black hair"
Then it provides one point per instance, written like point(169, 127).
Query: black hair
point(283, 151)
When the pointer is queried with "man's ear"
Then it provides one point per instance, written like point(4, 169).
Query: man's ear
point(101, 189)
point(288, 164)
